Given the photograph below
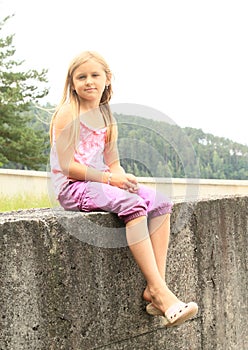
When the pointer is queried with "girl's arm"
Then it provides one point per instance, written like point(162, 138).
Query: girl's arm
point(119, 177)
point(63, 125)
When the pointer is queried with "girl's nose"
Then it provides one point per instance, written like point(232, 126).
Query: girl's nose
point(88, 80)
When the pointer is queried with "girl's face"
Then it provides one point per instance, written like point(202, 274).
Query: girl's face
point(89, 81)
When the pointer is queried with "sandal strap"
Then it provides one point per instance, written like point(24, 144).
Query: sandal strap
point(174, 311)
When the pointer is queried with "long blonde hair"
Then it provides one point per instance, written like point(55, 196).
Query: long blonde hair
point(69, 96)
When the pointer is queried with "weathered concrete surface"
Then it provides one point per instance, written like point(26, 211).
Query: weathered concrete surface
point(69, 282)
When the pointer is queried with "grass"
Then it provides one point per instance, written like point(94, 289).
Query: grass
point(24, 202)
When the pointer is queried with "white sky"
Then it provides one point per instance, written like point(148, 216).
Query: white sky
point(185, 58)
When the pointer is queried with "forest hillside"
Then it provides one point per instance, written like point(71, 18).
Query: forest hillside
point(156, 148)
point(148, 147)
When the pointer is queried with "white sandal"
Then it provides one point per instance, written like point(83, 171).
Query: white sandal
point(176, 314)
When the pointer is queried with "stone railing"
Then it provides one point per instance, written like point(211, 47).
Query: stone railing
point(37, 183)
point(68, 280)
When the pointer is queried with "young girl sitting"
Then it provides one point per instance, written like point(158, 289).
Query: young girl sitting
point(87, 176)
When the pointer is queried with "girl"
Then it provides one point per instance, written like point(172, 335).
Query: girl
point(87, 176)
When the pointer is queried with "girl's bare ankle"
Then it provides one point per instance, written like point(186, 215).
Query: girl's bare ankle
point(162, 297)
point(147, 294)
point(157, 290)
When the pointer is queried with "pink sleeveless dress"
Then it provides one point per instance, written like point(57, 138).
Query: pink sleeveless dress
point(94, 196)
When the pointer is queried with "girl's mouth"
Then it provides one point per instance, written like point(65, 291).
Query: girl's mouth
point(90, 89)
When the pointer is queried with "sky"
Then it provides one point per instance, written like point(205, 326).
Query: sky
point(185, 59)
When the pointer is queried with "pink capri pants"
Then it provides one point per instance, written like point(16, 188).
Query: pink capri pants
point(90, 196)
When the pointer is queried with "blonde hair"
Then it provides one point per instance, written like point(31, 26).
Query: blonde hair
point(70, 96)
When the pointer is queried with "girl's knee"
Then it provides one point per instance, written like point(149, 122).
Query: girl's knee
point(135, 206)
point(157, 203)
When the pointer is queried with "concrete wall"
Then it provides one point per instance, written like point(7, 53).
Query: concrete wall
point(15, 182)
point(38, 183)
point(68, 280)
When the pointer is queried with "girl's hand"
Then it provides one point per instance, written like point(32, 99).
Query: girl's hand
point(125, 181)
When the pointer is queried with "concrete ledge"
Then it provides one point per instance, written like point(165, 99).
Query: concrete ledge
point(66, 284)
point(37, 183)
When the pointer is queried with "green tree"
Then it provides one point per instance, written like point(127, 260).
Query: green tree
point(21, 145)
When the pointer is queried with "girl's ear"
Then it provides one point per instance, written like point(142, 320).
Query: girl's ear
point(109, 77)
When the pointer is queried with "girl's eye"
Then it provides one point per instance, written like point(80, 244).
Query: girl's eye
point(84, 76)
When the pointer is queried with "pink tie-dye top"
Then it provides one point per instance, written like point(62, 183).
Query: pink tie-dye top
point(89, 152)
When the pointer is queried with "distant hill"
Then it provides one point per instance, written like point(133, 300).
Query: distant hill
point(160, 149)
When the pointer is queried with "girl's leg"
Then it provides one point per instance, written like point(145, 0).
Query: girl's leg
point(159, 229)
point(141, 246)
